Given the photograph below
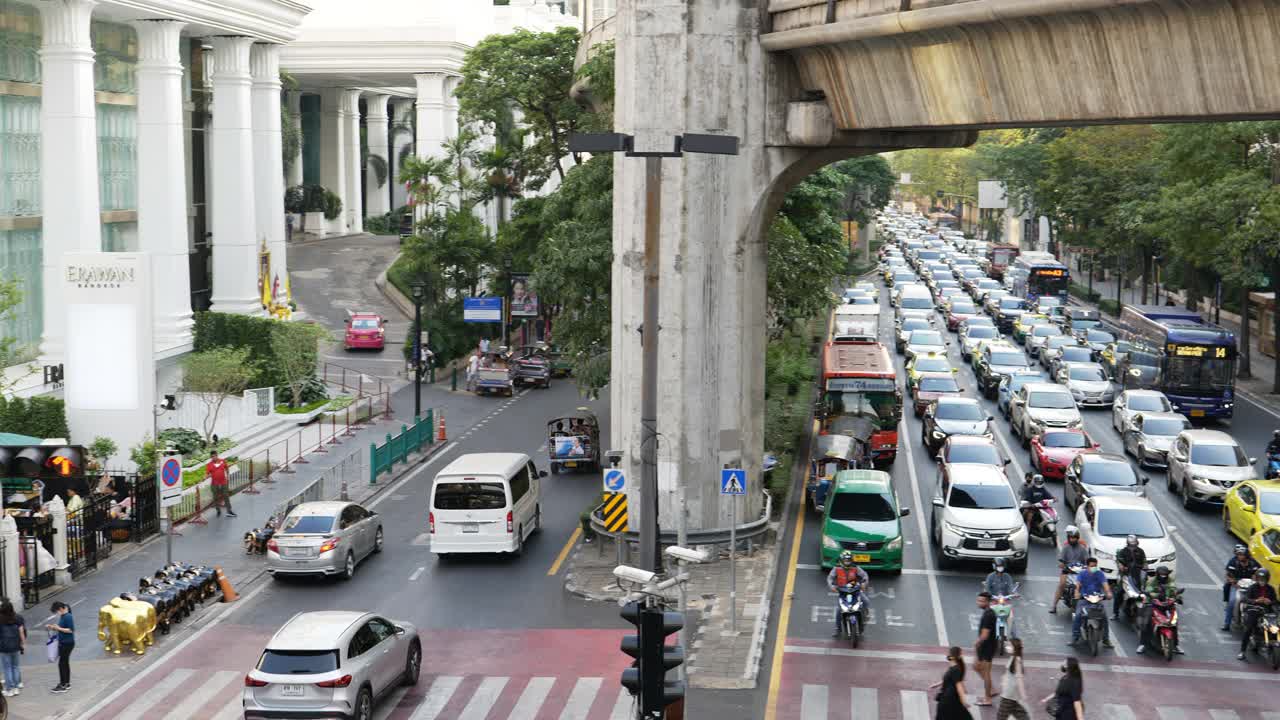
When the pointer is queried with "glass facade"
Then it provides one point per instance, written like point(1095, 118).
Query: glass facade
point(19, 155)
point(19, 42)
point(20, 260)
point(118, 157)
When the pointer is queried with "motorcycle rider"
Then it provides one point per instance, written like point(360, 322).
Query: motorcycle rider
point(1073, 552)
point(999, 582)
point(1130, 561)
point(1273, 447)
point(1240, 566)
point(847, 573)
point(1090, 581)
point(1160, 586)
point(1033, 491)
point(1259, 598)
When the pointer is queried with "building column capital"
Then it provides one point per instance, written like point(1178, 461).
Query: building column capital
point(375, 107)
point(264, 65)
point(431, 88)
point(158, 43)
point(230, 58)
point(65, 25)
point(350, 100)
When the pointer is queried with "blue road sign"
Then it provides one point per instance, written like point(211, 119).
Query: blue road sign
point(171, 472)
point(482, 310)
point(614, 480)
point(733, 481)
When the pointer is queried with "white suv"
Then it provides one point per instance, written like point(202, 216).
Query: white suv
point(975, 516)
point(1037, 407)
point(1204, 465)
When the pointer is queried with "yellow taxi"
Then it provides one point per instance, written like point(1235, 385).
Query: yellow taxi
point(1250, 507)
point(930, 362)
point(1265, 548)
point(1024, 323)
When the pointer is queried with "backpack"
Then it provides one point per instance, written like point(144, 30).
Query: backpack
point(9, 638)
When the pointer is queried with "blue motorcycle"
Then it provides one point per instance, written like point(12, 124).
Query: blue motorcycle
point(851, 603)
point(1273, 467)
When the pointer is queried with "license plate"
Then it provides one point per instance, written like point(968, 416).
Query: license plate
point(1197, 413)
point(862, 558)
point(293, 690)
point(571, 463)
point(470, 527)
point(297, 552)
point(987, 544)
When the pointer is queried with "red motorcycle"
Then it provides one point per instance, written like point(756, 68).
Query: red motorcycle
point(1164, 624)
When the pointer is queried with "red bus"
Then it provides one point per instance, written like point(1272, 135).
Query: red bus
point(858, 380)
point(1000, 257)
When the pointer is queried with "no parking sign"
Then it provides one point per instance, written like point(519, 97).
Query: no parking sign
point(170, 480)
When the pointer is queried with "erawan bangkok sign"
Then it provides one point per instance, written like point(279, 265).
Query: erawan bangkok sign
point(100, 276)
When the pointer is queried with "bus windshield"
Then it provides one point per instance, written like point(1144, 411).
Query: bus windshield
point(1192, 374)
point(1041, 285)
point(883, 407)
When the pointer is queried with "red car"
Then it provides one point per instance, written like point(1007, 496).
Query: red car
point(932, 386)
point(365, 331)
point(958, 312)
point(1053, 451)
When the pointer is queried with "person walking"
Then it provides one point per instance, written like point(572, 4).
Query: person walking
point(13, 642)
point(984, 649)
point(1068, 697)
point(1013, 688)
point(66, 634)
point(952, 701)
point(216, 469)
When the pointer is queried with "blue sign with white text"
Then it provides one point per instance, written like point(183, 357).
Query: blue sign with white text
point(482, 310)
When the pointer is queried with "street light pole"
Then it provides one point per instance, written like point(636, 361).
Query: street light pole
point(418, 289)
point(506, 319)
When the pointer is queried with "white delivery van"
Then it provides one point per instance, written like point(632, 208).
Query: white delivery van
point(485, 503)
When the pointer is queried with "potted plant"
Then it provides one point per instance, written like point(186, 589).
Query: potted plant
point(100, 451)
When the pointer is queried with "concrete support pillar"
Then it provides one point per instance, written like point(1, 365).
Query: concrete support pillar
point(12, 561)
point(162, 179)
point(68, 153)
point(268, 151)
point(295, 116)
point(431, 114)
point(235, 232)
point(333, 153)
point(354, 203)
point(402, 113)
point(377, 196)
point(451, 107)
point(58, 516)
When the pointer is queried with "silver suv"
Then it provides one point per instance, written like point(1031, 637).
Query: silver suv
point(333, 664)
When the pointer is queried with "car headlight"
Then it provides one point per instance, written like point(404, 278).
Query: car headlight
point(1075, 423)
point(894, 544)
point(1076, 394)
point(830, 543)
point(1103, 554)
point(954, 530)
point(1169, 558)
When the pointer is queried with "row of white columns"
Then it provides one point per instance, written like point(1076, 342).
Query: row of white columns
point(246, 196)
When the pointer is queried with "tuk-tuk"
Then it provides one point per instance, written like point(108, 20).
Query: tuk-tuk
point(560, 364)
point(531, 366)
point(831, 454)
point(858, 427)
point(493, 375)
point(573, 442)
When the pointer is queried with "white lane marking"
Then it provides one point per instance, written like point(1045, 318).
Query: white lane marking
point(915, 704)
point(1171, 713)
point(580, 698)
point(484, 698)
point(1208, 571)
point(155, 695)
point(233, 710)
point(420, 469)
point(1257, 402)
point(191, 704)
point(417, 574)
point(1224, 715)
point(1117, 712)
point(437, 697)
point(865, 704)
point(928, 558)
point(531, 698)
point(813, 702)
point(623, 707)
point(384, 708)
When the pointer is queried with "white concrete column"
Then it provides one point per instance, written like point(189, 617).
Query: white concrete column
point(162, 179)
point(12, 558)
point(333, 154)
point(431, 114)
point(268, 168)
point(377, 197)
point(354, 204)
point(295, 115)
point(235, 233)
point(402, 112)
point(451, 107)
point(58, 516)
point(68, 153)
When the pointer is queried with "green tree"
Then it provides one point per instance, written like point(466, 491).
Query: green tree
point(295, 346)
point(215, 375)
point(101, 450)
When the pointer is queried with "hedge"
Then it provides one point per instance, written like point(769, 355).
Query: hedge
point(40, 416)
point(215, 329)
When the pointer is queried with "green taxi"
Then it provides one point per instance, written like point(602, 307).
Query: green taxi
point(862, 516)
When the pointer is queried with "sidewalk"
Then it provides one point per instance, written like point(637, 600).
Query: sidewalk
point(216, 543)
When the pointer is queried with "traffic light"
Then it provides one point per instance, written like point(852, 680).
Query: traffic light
point(653, 658)
point(631, 646)
point(41, 461)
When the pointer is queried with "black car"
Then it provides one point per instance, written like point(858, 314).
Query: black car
point(949, 416)
point(1008, 309)
point(994, 362)
point(1092, 474)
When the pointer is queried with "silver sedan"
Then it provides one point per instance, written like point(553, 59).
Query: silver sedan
point(324, 538)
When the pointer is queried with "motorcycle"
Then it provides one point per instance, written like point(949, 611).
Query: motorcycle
point(1095, 621)
point(1132, 590)
point(1242, 588)
point(851, 603)
point(1164, 621)
point(1069, 592)
point(1273, 467)
point(1265, 638)
point(1044, 520)
point(1002, 606)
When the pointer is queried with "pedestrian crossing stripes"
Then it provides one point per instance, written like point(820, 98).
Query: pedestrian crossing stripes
point(820, 702)
point(192, 694)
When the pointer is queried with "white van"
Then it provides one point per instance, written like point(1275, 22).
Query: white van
point(485, 503)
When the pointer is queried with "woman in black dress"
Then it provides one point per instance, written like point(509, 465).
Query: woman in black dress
point(953, 703)
point(1069, 695)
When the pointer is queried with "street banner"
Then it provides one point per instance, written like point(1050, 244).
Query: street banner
point(523, 302)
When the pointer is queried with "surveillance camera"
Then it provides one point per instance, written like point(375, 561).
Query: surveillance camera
point(632, 574)
point(614, 457)
point(687, 554)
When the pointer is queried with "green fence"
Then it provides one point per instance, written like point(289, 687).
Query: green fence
point(396, 449)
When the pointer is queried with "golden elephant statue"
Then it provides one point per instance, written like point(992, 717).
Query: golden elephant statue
point(107, 629)
point(135, 624)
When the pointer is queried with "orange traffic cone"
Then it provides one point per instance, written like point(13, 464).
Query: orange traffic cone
point(440, 436)
point(228, 592)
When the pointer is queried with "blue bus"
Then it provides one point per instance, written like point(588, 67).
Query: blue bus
point(1034, 274)
point(1198, 361)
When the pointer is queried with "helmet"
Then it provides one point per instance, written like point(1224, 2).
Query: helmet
point(1131, 540)
point(998, 565)
point(846, 558)
point(1241, 550)
point(1275, 434)
point(1037, 480)
point(1163, 573)
point(1262, 575)
point(1073, 531)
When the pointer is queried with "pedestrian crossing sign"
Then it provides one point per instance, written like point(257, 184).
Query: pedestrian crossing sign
point(733, 481)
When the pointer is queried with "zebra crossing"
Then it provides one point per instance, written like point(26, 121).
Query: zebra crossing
point(821, 702)
point(191, 694)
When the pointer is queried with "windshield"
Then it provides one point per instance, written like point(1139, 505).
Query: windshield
point(1047, 285)
point(963, 308)
point(1086, 373)
point(364, 324)
point(1120, 522)
point(959, 411)
point(1149, 403)
point(298, 662)
point(308, 524)
point(863, 507)
point(1269, 503)
point(880, 406)
point(926, 337)
point(916, 303)
point(1064, 440)
point(1076, 354)
point(1116, 474)
point(974, 453)
point(1144, 359)
point(1051, 400)
point(1045, 331)
point(1098, 336)
point(1219, 455)
point(1199, 374)
point(980, 332)
point(981, 497)
point(914, 324)
point(862, 300)
point(1008, 358)
point(470, 496)
point(1012, 303)
point(1048, 302)
point(1163, 426)
point(939, 384)
point(1058, 341)
point(1017, 381)
point(932, 364)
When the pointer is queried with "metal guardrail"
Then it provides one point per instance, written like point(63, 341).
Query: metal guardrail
point(331, 485)
point(396, 449)
point(719, 536)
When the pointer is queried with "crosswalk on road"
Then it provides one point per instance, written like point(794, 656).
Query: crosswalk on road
point(193, 694)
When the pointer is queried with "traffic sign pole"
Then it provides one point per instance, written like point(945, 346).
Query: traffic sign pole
point(733, 482)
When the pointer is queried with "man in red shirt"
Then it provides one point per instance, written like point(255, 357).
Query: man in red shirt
point(216, 469)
